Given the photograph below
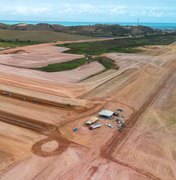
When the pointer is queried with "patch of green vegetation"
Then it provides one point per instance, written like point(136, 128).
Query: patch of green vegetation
point(13, 44)
point(126, 45)
point(98, 48)
point(63, 66)
point(106, 62)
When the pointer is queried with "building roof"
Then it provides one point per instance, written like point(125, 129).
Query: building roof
point(92, 120)
point(106, 113)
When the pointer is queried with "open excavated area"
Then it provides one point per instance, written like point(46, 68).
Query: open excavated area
point(43, 134)
point(35, 56)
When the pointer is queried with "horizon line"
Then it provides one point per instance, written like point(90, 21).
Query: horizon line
point(89, 21)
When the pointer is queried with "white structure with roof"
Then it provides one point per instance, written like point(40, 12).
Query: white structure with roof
point(106, 113)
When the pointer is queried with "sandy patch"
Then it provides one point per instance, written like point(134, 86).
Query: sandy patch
point(64, 77)
point(50, 146)
point(36, 56)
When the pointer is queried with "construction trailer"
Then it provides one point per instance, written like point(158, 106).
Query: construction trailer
point(106, 114)
point(94, 126)
point(92, 121)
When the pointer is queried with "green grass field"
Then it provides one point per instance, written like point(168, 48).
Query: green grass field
point(63, 66)
point(118, 45)
point(14, 44)
point(39, 36)
point(106, 62)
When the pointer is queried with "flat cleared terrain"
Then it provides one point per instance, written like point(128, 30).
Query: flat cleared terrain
point(39, 110)
point(37, 56)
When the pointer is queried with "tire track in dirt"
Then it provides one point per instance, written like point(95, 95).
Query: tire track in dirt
point(136, 115)
point(119, 139)
point(43, 128)
point(99, 87)
point(138, 170)
point(106, 101)
point(28, 123)
point(89, 112)
point(62, 142)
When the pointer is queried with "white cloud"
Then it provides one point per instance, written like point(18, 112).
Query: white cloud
point(24, 10)
point(81, 11)
point(109, 10)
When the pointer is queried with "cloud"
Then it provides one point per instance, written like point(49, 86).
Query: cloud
point(83, 11)
point(25, 10)
point(90, 8)
point(118, 10)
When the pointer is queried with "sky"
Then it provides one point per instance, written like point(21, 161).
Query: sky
point(89, 10)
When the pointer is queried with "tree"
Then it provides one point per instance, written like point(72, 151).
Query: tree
point(88, 58)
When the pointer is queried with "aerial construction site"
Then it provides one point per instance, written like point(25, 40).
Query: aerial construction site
point(53, 125)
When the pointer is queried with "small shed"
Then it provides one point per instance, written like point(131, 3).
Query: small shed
point(106, 114)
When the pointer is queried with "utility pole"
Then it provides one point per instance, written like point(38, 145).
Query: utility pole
point(138, 22)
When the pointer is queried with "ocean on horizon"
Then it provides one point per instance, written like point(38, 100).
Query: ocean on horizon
point(153, 25)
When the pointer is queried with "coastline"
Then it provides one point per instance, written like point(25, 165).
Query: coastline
point(163, 26)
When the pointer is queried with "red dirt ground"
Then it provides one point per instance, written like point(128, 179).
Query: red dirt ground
point(37, 138)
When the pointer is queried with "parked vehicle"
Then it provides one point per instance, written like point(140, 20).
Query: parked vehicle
point(119, 110)
point(109, 125)
point(116, 114)
point(120, 129)
point(75, 129)
point(94, 126)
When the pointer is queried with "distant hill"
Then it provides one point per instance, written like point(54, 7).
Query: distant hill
point(99, 30)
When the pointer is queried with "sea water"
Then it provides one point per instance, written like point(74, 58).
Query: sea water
point(153, 25)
